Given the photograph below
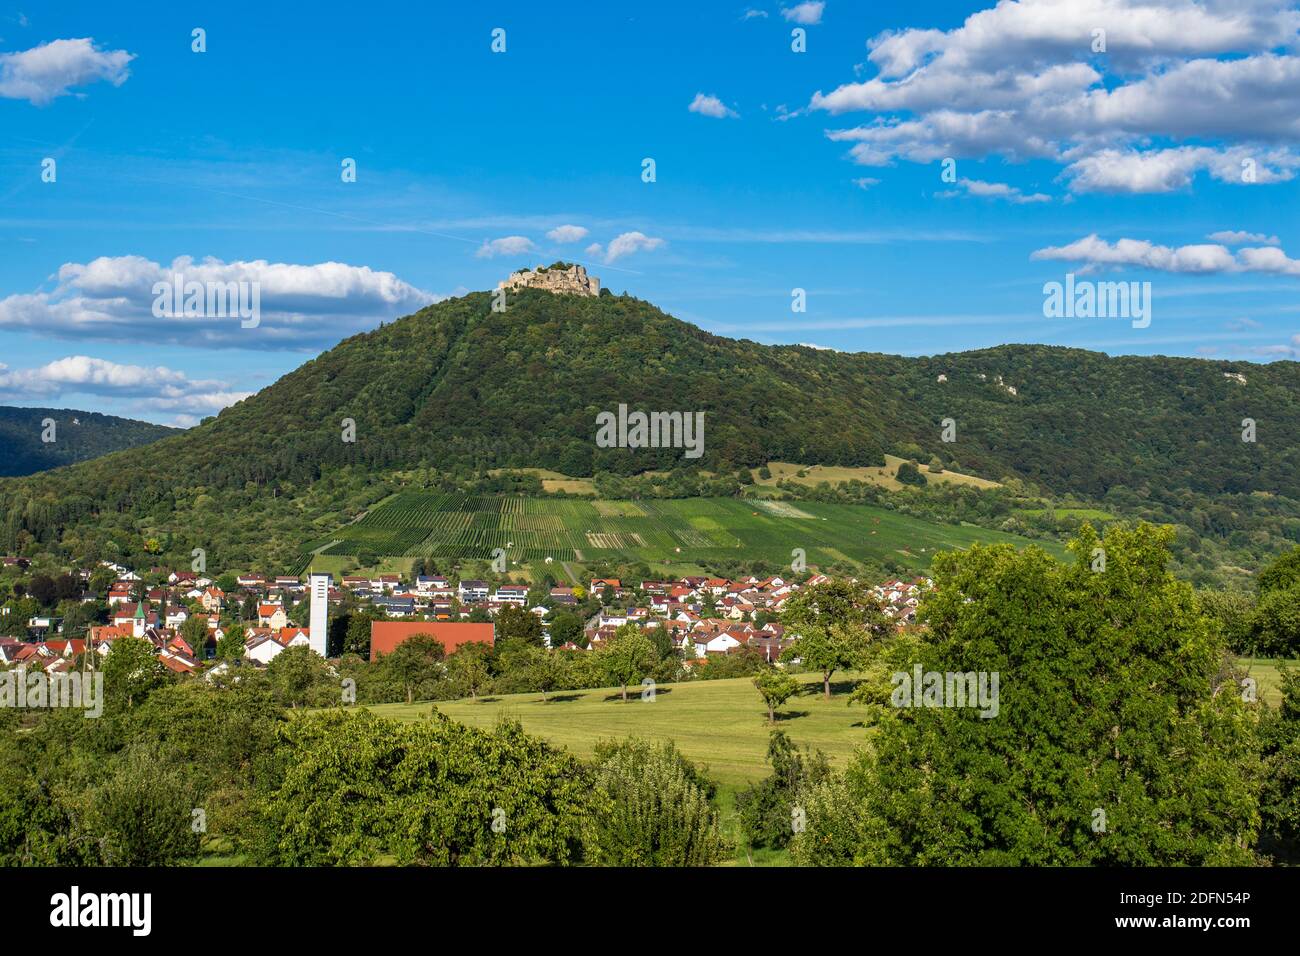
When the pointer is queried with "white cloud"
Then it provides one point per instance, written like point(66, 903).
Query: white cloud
point(1234, 238)
point(595, 250)
point(567, 234)
point(46, 72)
point(751, 13)
point(808, 13)
point(1203, 259)
point(711, 106)
point(985, 190)
point(630, 242)
point(507, 246)
point(301, 306)
point(866, 182)
point(1020, 80)
point(147, 389)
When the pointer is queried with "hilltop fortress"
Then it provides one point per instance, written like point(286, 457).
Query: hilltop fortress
point(559, 277)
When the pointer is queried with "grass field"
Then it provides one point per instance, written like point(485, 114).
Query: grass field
point(720, 723)
point(884, 476)
point(660, 532)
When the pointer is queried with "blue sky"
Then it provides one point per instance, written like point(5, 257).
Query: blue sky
point(819, 170)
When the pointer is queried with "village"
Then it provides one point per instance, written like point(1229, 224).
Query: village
point(194, 620)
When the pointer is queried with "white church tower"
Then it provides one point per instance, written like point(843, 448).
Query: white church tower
point(320, 611)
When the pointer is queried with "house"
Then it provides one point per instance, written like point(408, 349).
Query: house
point(470, 592)
point(563, 595)
point(272, 616)
point(213, 600)
point(396, 606)
point(265, 646)
point(511, 594)
point(385, 636)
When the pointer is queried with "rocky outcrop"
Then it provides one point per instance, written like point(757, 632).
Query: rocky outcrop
point(560, 278)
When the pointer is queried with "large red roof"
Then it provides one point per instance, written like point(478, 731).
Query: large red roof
point(386, 635)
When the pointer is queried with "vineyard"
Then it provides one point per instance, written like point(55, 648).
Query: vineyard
point(685, 531)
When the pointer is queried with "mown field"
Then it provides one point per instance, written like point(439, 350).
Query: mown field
point(667, 532)
point(721, 723)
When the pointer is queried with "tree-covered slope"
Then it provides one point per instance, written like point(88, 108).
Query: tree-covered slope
point(76, 435)
point(459, 387)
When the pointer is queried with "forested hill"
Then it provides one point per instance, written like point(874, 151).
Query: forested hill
point(77, 437)
point(457, 387)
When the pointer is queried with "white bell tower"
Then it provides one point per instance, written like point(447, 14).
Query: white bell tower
point(320, 612)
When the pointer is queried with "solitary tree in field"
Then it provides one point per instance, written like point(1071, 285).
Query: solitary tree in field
point(415, 661)
point(776, 687)
point(628, 657)
point(468, 668)
point(834, 623)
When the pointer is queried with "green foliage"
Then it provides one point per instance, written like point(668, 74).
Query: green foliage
point(1283, 573)
point(132, 671)
point(775, 686)
point(909, 474)
point(22, 451)
point(657, 808)
point(415, 663)
point(299, 677)
point(1280, 796)
point(628, 657)
point(769, 811)
point(834, 624)
point(1275, 624)
point(353, 788)
point(1107, 705)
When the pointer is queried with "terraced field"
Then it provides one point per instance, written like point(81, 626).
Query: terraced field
point(696, 530)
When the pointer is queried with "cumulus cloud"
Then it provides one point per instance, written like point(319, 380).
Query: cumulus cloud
point(506, 246)
point(48, 71)
point(709, 105)
point(1021, 80)
point(127, 298)
point(1092, 253)
point(866, 182)
point(149, 390)
point(751, 14)
point(1233, 238)
point(1003, 191)
point(808, 13)
point(630, 242)
point(567, 233)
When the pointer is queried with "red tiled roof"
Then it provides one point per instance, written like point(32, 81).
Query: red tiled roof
point(386, 635)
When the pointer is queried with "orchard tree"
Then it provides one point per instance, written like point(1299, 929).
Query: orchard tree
point(775, 686)
point(628, 657)
point(414, 662)
point(132, 670)
point(468, 668)
point(834, 624)
point(517, 624)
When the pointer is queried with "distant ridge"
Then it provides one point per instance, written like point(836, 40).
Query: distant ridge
point(78, 436)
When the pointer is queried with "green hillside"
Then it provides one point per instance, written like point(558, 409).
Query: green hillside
point(460, 390)
point(77, 437)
